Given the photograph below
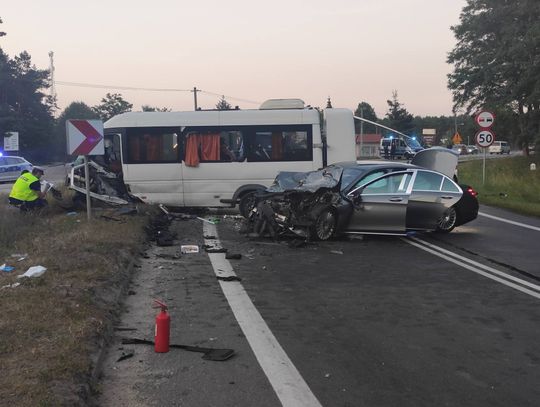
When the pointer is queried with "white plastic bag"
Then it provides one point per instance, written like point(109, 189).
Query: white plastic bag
point(34, 271)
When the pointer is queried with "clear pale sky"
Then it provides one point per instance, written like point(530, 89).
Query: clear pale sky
point(348, 50)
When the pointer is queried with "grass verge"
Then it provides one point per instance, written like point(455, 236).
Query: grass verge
point(509, 183)
point(51, 326)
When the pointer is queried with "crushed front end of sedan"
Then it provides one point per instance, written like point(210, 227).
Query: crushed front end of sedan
point(296, 204)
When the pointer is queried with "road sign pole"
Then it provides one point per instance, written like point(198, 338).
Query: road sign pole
point(87, 185)
point(485, 137)
point(484, 167)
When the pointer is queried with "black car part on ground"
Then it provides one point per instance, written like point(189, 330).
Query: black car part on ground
point(213, 354)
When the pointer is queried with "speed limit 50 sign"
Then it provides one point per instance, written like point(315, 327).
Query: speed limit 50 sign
point(485, 138)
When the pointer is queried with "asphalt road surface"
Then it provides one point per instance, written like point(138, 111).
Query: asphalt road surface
point(426, 320)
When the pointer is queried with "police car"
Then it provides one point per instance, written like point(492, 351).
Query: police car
point(11, 167)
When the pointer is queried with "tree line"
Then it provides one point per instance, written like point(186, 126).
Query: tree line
point(496, 66)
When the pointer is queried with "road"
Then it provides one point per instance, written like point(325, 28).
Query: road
point(382, 321)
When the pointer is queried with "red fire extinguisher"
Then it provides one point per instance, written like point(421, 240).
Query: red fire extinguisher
point(163, 329)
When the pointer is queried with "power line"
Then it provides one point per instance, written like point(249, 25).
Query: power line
point(98, 86)
point(230, 97)
point(92, 85)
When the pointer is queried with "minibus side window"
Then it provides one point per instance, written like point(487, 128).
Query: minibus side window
point(213, 145)
point(152, 145)
point(280, 144)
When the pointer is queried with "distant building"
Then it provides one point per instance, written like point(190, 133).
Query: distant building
point(370, 145)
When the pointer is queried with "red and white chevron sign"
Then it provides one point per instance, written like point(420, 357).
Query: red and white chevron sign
point(85, 137)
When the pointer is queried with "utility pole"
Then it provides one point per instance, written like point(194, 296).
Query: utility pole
point(361, 130)
point(51, 70)
point(195, 90)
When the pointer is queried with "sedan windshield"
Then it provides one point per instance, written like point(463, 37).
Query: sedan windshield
point(350, 174)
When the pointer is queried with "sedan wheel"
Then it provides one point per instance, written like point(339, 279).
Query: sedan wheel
point(325, 225)
point(448, 221)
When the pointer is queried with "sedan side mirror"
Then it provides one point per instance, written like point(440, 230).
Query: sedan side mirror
point(355, 197)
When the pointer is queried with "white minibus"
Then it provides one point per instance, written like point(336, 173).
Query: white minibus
point(221, 157)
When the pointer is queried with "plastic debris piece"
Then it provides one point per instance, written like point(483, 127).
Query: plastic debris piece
point(20, 257)
point(336, 252)
point(233, 256)
point(215, 250)
point(71, 214)
point(6, 268)
point(11, 285)
point(128, 353)
point(229, 278)
point(34, 271)
point(189, 248)
point(212, 221)
point(233, 217)
point(209, 353)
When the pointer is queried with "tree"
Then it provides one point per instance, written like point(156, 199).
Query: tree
point(497, 62)
point(365, 110)
point(24, 108)
point(398, 117)
point(148, 108)
point(223, 104)
point(112, 105)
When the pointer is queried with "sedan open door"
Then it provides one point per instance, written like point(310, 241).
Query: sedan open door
point(432, 194)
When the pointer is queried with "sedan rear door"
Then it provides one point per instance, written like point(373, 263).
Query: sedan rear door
point(431, 195)
point(380, 206)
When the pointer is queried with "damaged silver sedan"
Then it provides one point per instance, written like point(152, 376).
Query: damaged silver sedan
point(367, 197)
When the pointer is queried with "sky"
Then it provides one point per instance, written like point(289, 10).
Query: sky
point(247, 50)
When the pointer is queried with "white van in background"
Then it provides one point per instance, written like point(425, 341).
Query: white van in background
point(499, 147)
point(405, 148)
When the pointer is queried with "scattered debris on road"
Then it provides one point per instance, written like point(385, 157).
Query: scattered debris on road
point(7, 269)
point(233, 256)
point(213, 354)
point(34, 271)
point(229, 278)
point(128, 353)
point(189, 248)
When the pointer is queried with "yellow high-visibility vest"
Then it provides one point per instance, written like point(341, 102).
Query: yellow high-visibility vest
point(21, 189)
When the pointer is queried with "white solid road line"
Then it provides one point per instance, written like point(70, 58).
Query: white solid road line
point(475, 267)
point(523, 225)
point(287, 382)
point(479, 265)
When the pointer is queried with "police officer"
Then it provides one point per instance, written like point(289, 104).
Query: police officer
point(26, 192)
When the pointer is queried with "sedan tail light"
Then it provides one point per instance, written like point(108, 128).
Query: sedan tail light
point(471, 191)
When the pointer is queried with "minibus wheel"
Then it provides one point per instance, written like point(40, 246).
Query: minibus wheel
point(247, 203)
